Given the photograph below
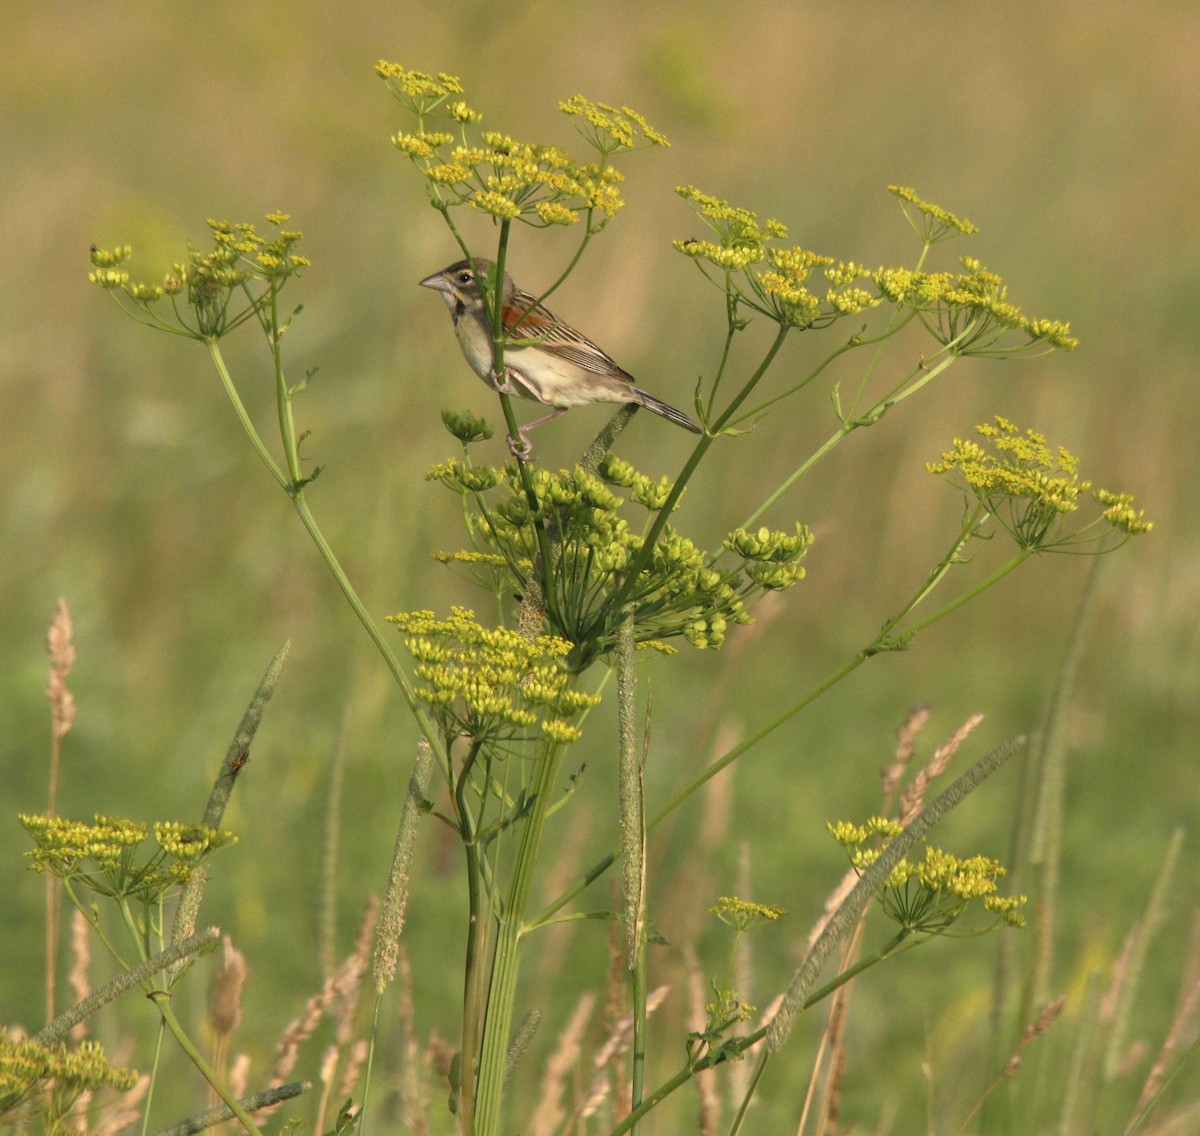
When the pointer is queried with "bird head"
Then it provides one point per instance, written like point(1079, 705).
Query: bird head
point(459, 282)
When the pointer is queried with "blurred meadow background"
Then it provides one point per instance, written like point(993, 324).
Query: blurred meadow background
point(1066, 133)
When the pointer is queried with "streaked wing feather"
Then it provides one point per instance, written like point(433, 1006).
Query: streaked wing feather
point(557, 338)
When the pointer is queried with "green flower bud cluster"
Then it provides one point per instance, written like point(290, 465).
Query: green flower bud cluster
point(104, 855)
point(492, 684)
point(1031, 489)
point(201, 290)
point(681, 591)
point(968, 310)
point(26, 1066)
point(930, 896)
point(466, 427)
point(504, 177)
point(771, 557)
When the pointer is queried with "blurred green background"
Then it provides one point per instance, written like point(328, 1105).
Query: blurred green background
point(1066, 132)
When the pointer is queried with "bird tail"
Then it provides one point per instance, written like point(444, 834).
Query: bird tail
point(668, 412)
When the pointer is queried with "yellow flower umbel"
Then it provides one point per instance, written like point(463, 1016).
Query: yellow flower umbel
point(932, 222)
point(1031, 489)
point(931, 896)
point(968, 312)
point(742, 915)
point(104, 856)
point(26, 1066)
point(492, 684)
point(783, 290)
point(505, 177)
point(214, 291)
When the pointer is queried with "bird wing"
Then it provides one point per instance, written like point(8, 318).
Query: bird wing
point(525, 318)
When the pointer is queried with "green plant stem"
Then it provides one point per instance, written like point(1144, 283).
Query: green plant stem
point(509, 941)
point(978, 589)
point(877, 644)
point(369, 1068)
point(93, 917)
point(477, 926)
point(155, 1062)
point(296, 493)
point(162, 999)
point(799, 997)
point(283, 396)
point(633, 846)
point(642, 559)
point(496, 311)
point(847, 427)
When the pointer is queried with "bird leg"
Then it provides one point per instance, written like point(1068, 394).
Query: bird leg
point(521, 447)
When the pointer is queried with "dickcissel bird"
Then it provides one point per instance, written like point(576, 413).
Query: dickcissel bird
point(545, 360)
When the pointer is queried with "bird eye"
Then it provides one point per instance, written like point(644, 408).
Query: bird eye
point(465, 278)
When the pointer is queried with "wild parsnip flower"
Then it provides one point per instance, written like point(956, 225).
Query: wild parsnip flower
point(243, 266)
point(742, 914)
point(970, 312)
point(932, 221)
point(1032, 489)
point(421, 93)
point(491, 683)
point(507, 178)
point(681, 591)
point(931, 896)
point(967, 311)
point(103, 856)
point(466, 427)
point(26, 1066)
point(782, 290)
point(741, 239)
point(609, 128)
point(771, 557)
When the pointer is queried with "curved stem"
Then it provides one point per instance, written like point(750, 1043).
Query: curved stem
point(314, 531)
point(162, 999)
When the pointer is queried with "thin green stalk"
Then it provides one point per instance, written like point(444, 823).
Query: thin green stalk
point(496, 310)
point(473, 981)
point(507, 958)
point(877, 645)
point(155, 1063)
point(642, 559)
point(764, 1055)
point(283, 396)
point(372, 1037)
point(847, 427)
point(327, 554)
point(978, 589)
point(92, 915)
point(633, 847)
point(850, 345)
point(638, 996)
point(162, 999)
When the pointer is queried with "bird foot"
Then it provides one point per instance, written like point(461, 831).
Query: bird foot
point(520, 447)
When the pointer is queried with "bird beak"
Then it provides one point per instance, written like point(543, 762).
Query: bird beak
point(437, 282)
